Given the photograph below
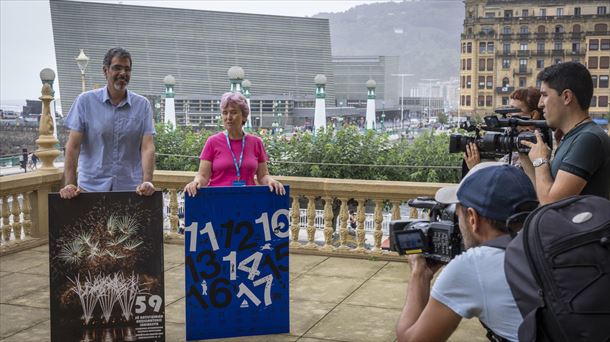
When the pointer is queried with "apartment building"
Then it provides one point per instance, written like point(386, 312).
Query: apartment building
point(506, 43)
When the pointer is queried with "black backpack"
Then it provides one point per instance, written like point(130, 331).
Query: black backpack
point(558, 269)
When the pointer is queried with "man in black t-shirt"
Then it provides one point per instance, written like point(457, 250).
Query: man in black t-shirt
point(581, 165)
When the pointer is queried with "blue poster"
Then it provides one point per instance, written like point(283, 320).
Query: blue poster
point(236, 262)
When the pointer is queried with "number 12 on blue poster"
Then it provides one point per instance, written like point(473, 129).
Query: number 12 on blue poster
point(236, 263)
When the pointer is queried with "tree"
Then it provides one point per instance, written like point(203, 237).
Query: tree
point(442, 118)
point(178, 149)
point(349, 154)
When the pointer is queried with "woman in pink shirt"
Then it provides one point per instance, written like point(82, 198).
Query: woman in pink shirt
point(232, 157)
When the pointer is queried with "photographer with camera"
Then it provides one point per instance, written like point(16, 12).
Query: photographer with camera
point(473, 284)
point(524, 99)
point(582, 160)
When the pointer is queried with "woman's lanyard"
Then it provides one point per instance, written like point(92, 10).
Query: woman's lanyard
point(241, 155)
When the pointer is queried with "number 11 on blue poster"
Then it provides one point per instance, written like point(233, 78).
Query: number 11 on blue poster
point(236, 263)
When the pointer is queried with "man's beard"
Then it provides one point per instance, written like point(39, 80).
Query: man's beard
point(469, 240)
point(119, 86)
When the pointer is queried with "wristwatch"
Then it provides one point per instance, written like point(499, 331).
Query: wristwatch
point(539, 161)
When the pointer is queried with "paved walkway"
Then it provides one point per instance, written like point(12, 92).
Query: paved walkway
point(332, 299)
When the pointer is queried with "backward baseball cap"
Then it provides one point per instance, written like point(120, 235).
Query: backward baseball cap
point(495, 190)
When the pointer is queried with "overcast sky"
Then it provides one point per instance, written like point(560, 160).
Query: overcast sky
point(27, 37)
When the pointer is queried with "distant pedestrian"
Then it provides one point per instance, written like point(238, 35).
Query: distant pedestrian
point(34, 159)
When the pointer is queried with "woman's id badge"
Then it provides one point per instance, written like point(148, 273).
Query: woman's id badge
point(239, 183)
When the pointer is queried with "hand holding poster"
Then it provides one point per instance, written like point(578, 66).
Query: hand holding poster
point(106, 267)
point(236, 262)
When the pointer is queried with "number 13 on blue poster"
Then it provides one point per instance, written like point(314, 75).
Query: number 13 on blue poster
point(236, 262)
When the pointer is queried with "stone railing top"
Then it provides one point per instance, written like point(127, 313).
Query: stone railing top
point(349, 188)
point(308, 186)
point(29, 181)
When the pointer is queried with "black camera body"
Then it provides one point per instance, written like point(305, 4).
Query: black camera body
point(501, 135)
point(437, 239)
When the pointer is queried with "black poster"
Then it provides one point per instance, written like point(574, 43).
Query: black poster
point(106, 267)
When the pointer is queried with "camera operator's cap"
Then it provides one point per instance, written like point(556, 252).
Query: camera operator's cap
point(494, 189)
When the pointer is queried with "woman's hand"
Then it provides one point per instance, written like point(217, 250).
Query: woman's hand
point(471, 156)
point(276, 186)
point(192, 187)
point(202, 178)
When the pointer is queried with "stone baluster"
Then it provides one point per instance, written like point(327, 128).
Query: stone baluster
point(6, 226)
point(396, 210)
point(27, 209)
point(174, 221)
point(360, 218)
point(295, 222)
point(16, 211)
point(378, 218)
point(311, 221)
point(413, 213)
point(343, 216)
point(328, 224)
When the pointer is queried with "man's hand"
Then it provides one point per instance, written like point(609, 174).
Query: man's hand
point(539, 149)
point(423, 318)
point(421, 267)
point(145, 189)
point(69, 191)
point(472, 156)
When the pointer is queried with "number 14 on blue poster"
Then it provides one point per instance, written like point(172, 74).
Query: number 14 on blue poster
point(237, 265)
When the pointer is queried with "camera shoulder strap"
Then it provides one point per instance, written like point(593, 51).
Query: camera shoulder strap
point(492, 336)
point(499, 242)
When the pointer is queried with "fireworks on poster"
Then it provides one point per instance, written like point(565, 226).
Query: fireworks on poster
point(106, 267)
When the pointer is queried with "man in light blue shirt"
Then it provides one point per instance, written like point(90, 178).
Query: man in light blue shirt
point(111, 135)
point(473, 284)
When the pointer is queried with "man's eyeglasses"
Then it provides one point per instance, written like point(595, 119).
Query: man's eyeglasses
point(119, 68)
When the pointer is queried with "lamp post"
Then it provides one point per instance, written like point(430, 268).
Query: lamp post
point(170, 109)
point(246, 84)
point(429, 80)
point(402, 95)
point(47, 76)
point(82, 60)
point(46, 141)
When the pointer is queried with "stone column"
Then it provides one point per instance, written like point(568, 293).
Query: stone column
point(311, 221)
point(328, 224)
point(295, 222)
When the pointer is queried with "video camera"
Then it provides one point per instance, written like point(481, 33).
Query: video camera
point(437, 239)
point(501, 134)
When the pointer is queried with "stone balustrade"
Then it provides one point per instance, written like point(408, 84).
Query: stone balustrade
point(24, 209)
point(334, 196)
point(25, 212)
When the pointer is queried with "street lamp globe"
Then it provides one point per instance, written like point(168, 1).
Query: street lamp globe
point(47, 75)
point(320, 79)
point(82, 60)
point(236, 73)
point(169, 80)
